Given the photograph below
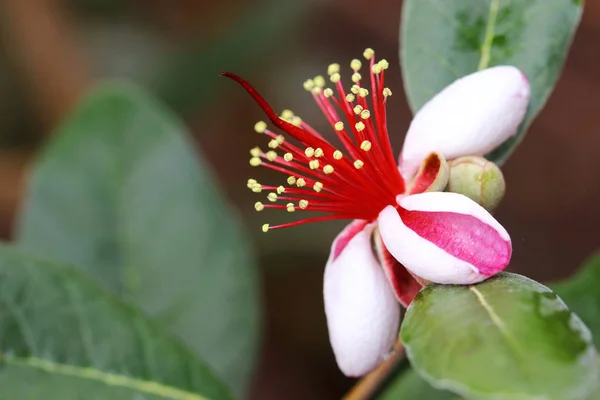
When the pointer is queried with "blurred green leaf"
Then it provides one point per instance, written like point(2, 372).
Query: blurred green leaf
point(120, 192)
point(508, 337)
point(63, 337)
point(409, 385)
point(191, 77)
point(445, 40)
point(581, 294)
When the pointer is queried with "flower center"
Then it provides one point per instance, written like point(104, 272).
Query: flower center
point(354, 182)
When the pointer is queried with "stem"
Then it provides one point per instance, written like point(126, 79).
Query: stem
point(369, 384)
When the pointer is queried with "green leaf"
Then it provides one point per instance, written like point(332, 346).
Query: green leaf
point(442, 40)
point(409, 385)
point(63, 337)
point(582, 295)
point(120, 192)
point(508, 337)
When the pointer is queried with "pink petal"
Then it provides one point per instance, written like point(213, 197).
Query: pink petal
point(362, 312)
point(403, 282)
point(432, 175)
point(471, 116)
point(445, 238)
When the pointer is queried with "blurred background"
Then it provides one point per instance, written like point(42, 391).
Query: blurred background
point(51, 51)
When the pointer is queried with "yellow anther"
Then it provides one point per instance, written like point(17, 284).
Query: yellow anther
point(333, 68)
point(368, 53)
point(252, 181)
point(376, 69)
point(328, 92)
point(365, 114)
point(255, 161)
point(309, 85)
point(318, 186)
point(257, 188)
point(280, 139)
point(296, 120)
point(291, 180)
point(317, 90)
point(313, 164)
point(286, 114)
point(272, 197)
point(337, 155)
point(280, 189)
point(383, 63)
point(255, 152)
point(335, 78)
point(273, 144)
point(271, 155)
point(328, 169)
point(288, 157)
point(355, 89)
point(258, 206)
point(319, 81)
point(309, 152)
point(365, 145)
point(290, 207)
point(358, 164)
point(360, 126)
point(265, 228)
point(387, 92)
point(356, 77)
point(355, 64)
point(300, 182)
point(358, 109)
point(260, 126)
point(339, 126)
point(303, 204)
point(319, 152)
point(350, 97)
point(363, 92)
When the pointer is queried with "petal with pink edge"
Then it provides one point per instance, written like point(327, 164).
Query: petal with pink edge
point(362, 312)
point(471, 116)
point(445, 238)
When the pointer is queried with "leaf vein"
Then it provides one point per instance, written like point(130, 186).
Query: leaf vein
point(107, 378)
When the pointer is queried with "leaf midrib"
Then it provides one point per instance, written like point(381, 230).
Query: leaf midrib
point(486, 47)
point(109, 379)
point(499, 323)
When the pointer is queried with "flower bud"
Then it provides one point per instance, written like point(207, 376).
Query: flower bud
point(479, 179)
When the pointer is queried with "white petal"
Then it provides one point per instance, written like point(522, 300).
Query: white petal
point(362, 311)
point(471, 116)
point(447, 258)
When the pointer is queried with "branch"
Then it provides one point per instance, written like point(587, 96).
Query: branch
point(369, 384)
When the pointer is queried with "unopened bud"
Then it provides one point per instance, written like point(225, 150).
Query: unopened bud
point(479, 179)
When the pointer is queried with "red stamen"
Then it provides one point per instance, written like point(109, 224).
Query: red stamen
point(354, 184)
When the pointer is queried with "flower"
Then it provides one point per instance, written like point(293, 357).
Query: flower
point(420, 233)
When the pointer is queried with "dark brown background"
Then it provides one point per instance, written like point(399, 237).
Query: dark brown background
point(52, 50)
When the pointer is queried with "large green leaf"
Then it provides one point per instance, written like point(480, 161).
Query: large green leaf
point(63, 337)
point(582, 295)
point(120, 193)
point(508, 337)
point(442, 40)
point(409, 385)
